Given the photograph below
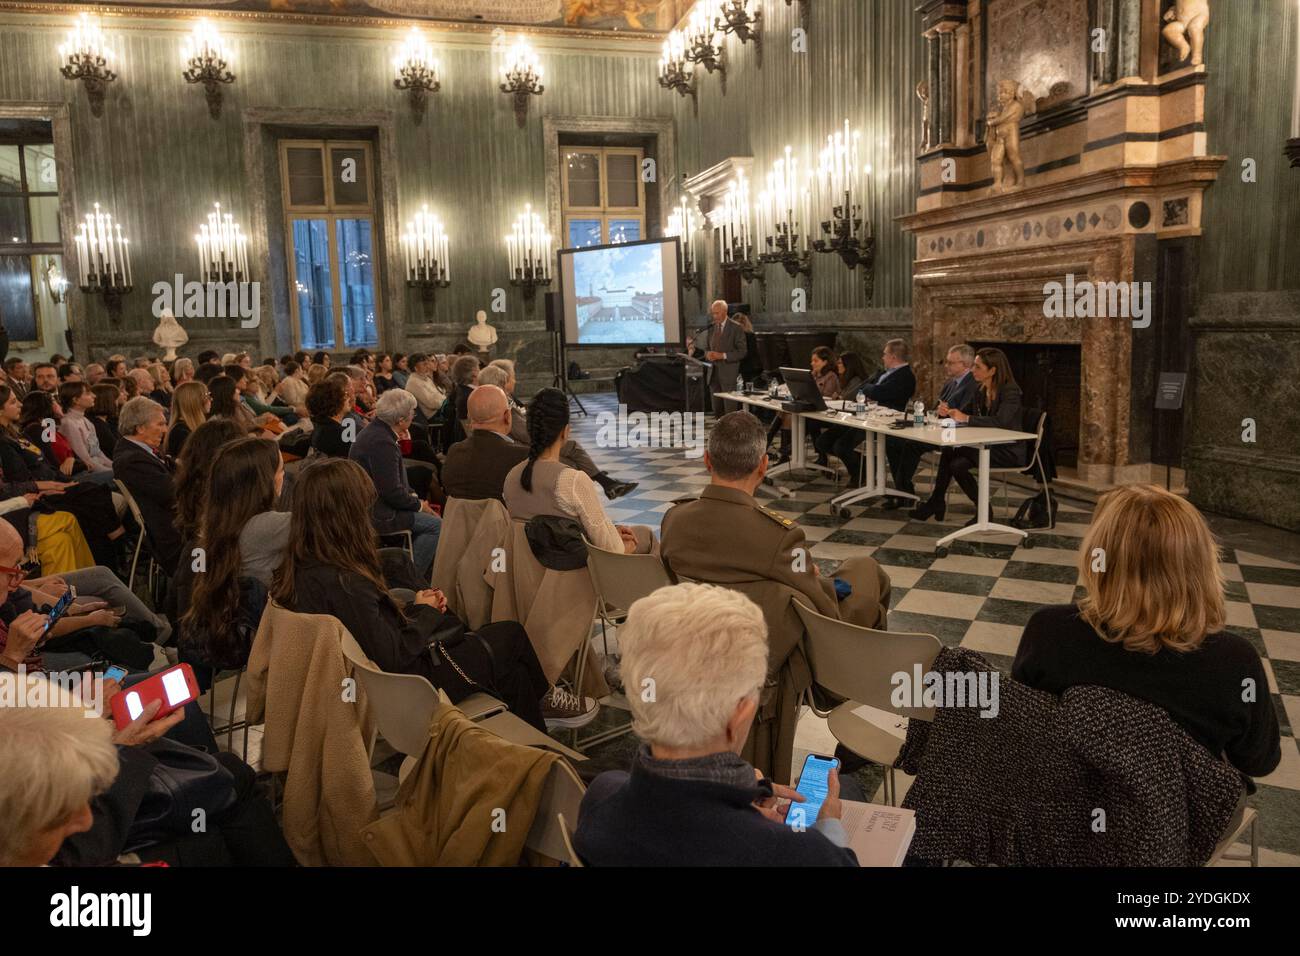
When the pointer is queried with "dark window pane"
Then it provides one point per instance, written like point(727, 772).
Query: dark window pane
point(623, 176)
point(306, 177)
point(45, 218)
point(16, 304)
point(351, 177)
point(583, 170)
point(42, 176)
point(312, 283)
point(356, 267)
point(13, 220)
point(584, 232)
point(10, 171)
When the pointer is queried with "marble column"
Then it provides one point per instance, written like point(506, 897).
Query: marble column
point(947, 84)
point(936, 96)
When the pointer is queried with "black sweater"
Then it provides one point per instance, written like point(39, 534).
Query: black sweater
point(647, 819)
point(1201, 690)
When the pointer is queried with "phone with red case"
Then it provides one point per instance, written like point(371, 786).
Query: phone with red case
point(175, 687)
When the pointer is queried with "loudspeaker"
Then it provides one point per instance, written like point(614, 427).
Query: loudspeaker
point(553, 318)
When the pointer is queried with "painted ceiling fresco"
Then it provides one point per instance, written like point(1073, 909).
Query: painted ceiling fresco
point(648, 15)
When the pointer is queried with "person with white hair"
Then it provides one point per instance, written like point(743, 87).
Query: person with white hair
point(56, 761)
point(397, 508)
point(138, 464)
point(695, 661)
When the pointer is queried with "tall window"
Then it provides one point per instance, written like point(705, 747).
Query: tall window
point(329, 206)
point(604, 197)
point(31, 253)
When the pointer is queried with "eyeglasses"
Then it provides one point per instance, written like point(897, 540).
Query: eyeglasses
point(15, 575)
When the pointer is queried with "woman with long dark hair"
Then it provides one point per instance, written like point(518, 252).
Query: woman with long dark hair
point(242, 538)
point(103, 414)
point(192, 470)
point(999, 406)
point(332, 566)
point(842, 440)
point(226, 403)
point(38, 411)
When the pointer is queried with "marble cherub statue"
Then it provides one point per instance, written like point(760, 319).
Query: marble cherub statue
point(481, 335)
point(1186, 21)
point(923, 94)
point(1003, 138)
point(169, 334)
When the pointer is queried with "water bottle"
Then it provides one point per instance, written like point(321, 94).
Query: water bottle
point(772, 389)
point(860, 406)
point(918, 414)
point(740, 385)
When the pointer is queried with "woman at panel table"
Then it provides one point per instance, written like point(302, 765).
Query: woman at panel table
point(999, 405)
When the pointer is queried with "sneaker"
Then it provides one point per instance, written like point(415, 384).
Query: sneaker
point(562, 709)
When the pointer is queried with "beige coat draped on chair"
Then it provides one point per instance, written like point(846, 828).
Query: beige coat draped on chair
point(471, 531)
point(469, 801)
point(317, 726)
point(556, 608)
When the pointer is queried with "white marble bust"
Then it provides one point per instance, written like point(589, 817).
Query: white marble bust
point(481, 335)
point(169, 334)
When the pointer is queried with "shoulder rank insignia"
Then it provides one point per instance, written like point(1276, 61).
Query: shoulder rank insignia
point(779, 519)
point(686, 500)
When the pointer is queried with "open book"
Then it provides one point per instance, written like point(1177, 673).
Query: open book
point(878, 834)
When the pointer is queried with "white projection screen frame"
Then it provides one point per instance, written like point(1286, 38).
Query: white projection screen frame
point(614, 296)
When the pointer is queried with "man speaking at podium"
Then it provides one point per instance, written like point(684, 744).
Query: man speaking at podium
point(726, 349)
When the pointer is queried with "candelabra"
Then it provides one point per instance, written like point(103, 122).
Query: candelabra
point(528, 250)
point(783, 217)
point(674, 72)
point(104, 260)
point(428, 254)
point(682, 224)
point(841, 182)
point(204, 57)
point(223, 249)
point(417, 71)
point(86, 56)
point(736, 250)
point(702, 42)
point(804, 5)
point(736, 17)
point(521, 77)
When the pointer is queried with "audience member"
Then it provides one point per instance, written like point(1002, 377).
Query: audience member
point(476, 468)
point(420, 383)
point(329, 403)
point(19, 376)
point(45, 378)
point(397, 508)
point(193, 468)
point(332, 567)
point(1152, 624)
point(147, 476)
point(190, 404)
point(103, 415)
point(76, 400)
point(690, 798)
point(543, 485)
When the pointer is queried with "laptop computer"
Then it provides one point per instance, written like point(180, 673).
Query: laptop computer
point(804, 394)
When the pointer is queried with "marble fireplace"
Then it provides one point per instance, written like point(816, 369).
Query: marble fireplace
point(1112, 169)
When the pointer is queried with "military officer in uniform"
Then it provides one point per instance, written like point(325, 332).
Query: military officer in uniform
point(725, 537)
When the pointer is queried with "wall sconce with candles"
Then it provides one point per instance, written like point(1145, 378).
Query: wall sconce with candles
point(784, 215)
point(736, 249)
point(417, 71)
point(223, 249)
point(703, 41)
point(428, 254)
point(1293, 144)
point(743, 19)
point(675, 73)
point(841, 184)
point(521, 77)
point(803, 11)
point(528, 249)
point(682, 223)
point(86, 56)
point(104, 260)
point(204, 56)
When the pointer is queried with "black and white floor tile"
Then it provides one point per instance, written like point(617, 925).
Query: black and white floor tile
point(983, 592)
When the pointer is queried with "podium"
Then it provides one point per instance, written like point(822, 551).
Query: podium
point(665, 382)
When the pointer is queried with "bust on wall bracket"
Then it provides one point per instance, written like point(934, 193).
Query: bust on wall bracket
point(1184, 29)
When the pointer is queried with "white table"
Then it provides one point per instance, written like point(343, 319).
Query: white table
point(938, 438)
point(798, 460)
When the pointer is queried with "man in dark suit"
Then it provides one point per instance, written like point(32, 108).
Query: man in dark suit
point(147, 475)
point(726, 348)
point(893, 387)
point(476, 467)
point(397, 508)
point(959, 392)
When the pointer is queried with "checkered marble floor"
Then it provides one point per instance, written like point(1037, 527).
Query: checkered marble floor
point(984, 592)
